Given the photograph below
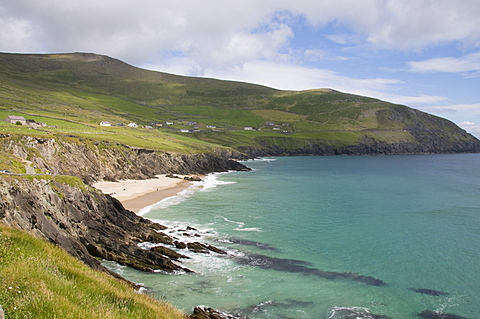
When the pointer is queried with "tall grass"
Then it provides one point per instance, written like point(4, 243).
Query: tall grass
point(39, 280)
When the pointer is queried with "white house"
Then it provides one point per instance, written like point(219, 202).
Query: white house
point(248, 128)
point(105, 123)
point(132, 124)
point(14, 119)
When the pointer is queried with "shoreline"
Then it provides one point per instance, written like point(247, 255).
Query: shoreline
point(138, 194)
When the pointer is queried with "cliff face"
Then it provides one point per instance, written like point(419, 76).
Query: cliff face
point(107, 161)
point(85, 222)
point(368, 146)
point(79, 218)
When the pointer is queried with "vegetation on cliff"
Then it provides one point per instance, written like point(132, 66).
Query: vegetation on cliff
point(40, 280)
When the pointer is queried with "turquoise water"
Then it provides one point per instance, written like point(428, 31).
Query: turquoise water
point(330, 237)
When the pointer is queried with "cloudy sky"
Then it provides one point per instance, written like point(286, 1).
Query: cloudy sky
point(421, 53)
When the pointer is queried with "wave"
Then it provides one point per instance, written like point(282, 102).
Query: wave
point(260, 159)
point(241, 225)
point(209, 182)
point(212, 181)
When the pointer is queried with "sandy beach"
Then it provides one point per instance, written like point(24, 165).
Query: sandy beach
point(138, 194)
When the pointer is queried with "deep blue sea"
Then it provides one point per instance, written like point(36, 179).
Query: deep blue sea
point(330, 237)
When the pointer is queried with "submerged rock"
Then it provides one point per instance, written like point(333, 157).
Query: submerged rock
point(300, 266)
point(430, 292)
point(438, 315)
point(257, 244)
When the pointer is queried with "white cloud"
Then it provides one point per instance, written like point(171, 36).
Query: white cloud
point(473, 109)
point(15, 35)
point(396, 24)
point(417, 24)
point(135, 31)
point(467, 63)
point(215, 32)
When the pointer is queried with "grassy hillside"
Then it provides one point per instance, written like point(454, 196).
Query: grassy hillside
point(40, 280)
point(72, 93)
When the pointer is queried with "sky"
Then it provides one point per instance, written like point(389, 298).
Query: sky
point(421, 53)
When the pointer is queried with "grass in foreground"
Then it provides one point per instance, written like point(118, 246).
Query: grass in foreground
point(40, 280)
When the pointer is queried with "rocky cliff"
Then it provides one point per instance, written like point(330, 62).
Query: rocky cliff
point(86, 223)
point(94, 161)
point(367, 146)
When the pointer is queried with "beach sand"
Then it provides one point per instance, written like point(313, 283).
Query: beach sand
point(138, 194)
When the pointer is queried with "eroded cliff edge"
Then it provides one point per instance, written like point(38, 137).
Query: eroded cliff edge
point(93, 161)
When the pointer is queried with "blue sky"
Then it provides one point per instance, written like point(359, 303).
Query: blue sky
point(421, 53)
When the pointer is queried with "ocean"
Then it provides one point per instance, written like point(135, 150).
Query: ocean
point(329, 237)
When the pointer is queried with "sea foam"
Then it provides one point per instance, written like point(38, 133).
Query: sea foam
point(210, 181)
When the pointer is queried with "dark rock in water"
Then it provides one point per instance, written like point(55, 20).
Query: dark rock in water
point(209, 313)
point(438, 315)
point(299, 303)
point(299, 266)
point(202, 248)
point(253, 243)
point(168, 252)
point(180, 245)
point(192, 178)
point(430, 292)
point(197, 247)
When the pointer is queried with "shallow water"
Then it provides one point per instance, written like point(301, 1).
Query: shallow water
point(330, 237)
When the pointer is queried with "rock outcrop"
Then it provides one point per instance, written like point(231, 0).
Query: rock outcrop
point(209, 313)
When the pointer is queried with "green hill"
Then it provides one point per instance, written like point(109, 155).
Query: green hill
point(72, 93)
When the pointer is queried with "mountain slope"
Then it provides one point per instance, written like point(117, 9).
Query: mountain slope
point(81, 89)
